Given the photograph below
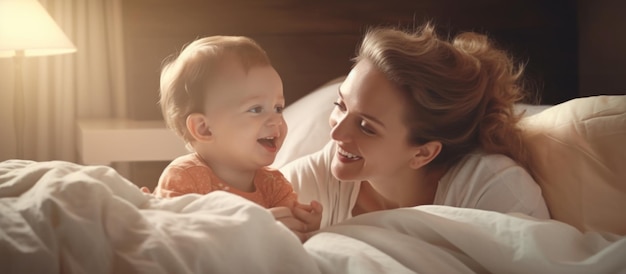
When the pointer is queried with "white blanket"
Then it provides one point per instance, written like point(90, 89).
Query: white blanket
point(59, 217)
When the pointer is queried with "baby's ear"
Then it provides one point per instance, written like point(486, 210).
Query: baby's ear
point(424, 154)
point(198, 127)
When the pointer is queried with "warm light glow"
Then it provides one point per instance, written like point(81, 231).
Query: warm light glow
point(26, 25)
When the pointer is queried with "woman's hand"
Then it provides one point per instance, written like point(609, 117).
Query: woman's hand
point(302, 219)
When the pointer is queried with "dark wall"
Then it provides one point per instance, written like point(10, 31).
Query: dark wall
point(311, 42)
point(602, 47)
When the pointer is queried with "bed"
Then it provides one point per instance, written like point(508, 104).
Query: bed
point(62, 217)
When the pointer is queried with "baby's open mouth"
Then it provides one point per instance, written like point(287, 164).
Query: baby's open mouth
point(267, 142)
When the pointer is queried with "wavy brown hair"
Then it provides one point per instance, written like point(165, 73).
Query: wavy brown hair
point(460, 91)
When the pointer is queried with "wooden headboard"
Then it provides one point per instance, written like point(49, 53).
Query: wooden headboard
point(311, 42)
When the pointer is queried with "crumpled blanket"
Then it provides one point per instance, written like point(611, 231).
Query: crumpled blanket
point(60, 217)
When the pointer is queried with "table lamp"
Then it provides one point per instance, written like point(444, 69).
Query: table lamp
point(26, 29)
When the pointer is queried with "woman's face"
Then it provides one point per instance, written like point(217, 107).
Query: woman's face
point(368, 128)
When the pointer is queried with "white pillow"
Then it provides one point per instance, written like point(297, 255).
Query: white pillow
point(307, 119)
point(578, 154)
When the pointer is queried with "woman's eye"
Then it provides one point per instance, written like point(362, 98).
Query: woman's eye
point(256, 110)
point(367, 130)
point(279, 109)
point(340, 106)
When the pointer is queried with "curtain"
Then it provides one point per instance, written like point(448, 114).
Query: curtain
point(60, 90)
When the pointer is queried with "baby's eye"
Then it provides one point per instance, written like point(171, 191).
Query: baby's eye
point(366, 129)
point(279, 109)
point(257, 109)
point(340, 106)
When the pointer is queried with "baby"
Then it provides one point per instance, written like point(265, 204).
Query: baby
point(223, 97)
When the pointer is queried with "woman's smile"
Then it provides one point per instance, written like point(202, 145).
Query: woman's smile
point(345, 156)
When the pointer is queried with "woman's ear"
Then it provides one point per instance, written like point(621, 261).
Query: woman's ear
point(198, 127)
point(424, 154)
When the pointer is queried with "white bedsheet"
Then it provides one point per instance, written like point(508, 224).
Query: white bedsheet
point(59, 217)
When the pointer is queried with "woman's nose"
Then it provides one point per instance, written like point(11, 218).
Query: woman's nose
point(339, 129)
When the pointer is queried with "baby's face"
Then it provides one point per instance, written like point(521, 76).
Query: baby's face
point(244, 112)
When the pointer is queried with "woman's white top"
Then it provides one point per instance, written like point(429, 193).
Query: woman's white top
point(483, 181)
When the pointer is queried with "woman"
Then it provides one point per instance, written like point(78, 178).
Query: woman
point(420, 121)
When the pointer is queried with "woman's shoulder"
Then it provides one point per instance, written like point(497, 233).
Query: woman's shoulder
point(492, 182)
point(494, 159)
point(481, 162)
point(478, 171)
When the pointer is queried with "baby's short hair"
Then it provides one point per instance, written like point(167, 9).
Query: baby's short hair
point(186, 77)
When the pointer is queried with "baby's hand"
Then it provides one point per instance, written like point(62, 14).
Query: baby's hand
point(310, 215)
point(302, 219)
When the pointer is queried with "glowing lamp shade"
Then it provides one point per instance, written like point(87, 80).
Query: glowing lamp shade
point(26, 27)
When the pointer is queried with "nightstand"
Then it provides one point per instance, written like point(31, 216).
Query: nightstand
point(105, 141)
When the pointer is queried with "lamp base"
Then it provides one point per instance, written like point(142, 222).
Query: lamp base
point(18, 106)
